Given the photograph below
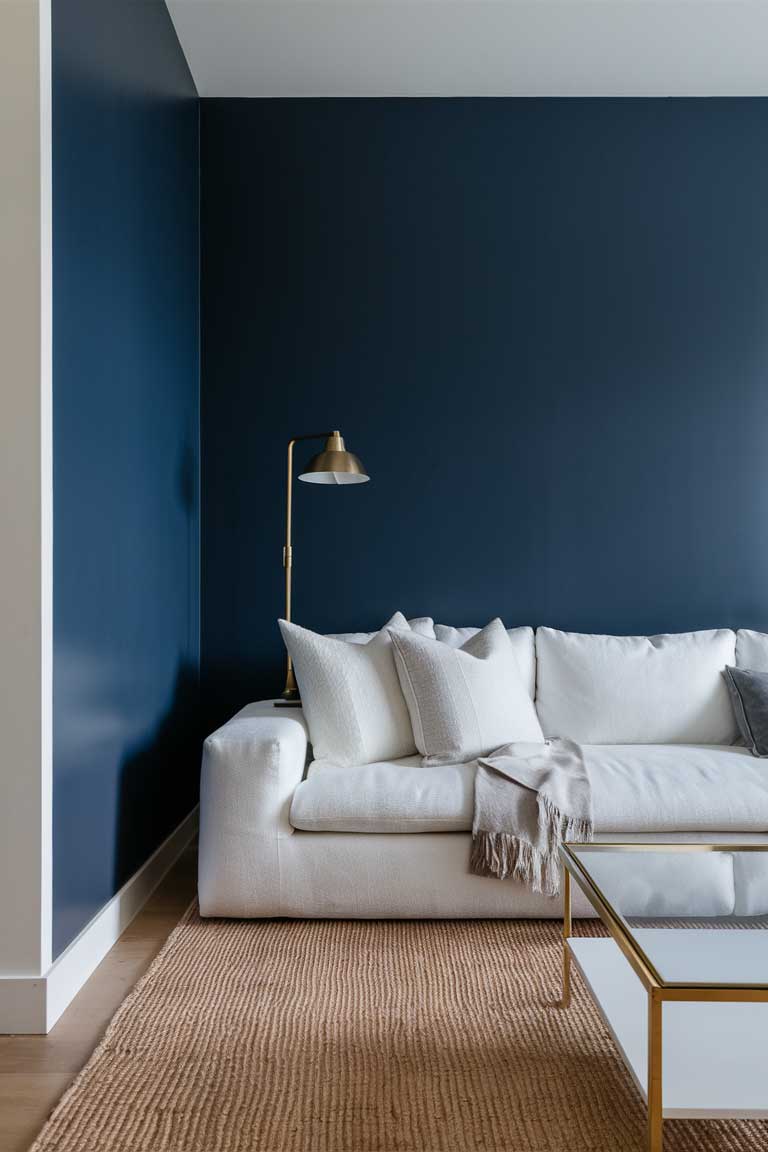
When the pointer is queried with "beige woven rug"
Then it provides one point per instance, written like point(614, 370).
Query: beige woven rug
point(320, 1036)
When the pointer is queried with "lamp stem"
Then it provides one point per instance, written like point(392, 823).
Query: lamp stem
point(290, 696)
point(291, 691)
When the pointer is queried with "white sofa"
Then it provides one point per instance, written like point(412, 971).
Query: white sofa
point(281, 835)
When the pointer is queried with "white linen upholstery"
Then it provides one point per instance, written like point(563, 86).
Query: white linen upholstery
point(523, 642)
point(635, 689)
point(423, 625)
point(750, 871)
point(635, 788)
point(250, 770)
point(400, 796)
point(464, 702)
point(666, 884)
point(335, 874)
point(253, 864)
point(680, 788)
point(751, 650)
point(351, 695)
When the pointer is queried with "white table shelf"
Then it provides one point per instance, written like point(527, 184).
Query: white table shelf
point(715, 1055)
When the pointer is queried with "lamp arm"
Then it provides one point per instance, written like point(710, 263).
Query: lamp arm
point(291, 692)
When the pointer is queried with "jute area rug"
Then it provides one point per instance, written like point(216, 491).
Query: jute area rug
point(323, 1036)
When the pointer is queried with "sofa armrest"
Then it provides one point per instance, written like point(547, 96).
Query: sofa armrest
point(251, 767)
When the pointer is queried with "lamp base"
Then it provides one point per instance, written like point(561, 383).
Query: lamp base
point(289, 698)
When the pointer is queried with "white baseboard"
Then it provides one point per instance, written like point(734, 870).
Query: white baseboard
point(34, 1004)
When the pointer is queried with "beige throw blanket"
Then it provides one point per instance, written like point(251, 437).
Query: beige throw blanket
point(528, 799)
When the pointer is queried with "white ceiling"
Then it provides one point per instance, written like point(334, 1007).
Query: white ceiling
point(475, 47)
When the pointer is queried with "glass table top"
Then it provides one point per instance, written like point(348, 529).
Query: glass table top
point(698, 913)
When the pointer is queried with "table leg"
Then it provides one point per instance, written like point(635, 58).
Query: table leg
point(566, 1000)
point(655, 1107)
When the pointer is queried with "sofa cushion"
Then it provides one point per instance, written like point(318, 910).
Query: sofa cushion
point(749, 696)
point(751, 650)
point(351, 695)
point(677, 788)
point(464, 702)
point(423, 625)
point(522, 640)
point(665, 884)
point(750, 870)
point(636, 788)
point(399, 796)
point(635, 689)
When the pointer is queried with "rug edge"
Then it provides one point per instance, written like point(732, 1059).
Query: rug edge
point(116, 1018)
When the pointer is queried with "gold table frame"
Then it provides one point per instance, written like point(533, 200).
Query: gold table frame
point(657, 988)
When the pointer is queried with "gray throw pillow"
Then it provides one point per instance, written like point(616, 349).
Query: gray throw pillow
point(749, 696)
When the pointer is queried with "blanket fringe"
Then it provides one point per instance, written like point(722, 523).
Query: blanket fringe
point(557, 827)
point(503, 855)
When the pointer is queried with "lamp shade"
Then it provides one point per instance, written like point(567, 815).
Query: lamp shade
point(334, 465)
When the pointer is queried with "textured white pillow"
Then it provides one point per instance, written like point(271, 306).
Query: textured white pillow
point(464, 702)
point(522, 639)
point(424, 625)
point(635, 689)
point(351, 695)
point(752, 650)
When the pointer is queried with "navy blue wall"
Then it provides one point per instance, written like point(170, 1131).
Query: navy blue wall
point(543, 325)
point(126, 434)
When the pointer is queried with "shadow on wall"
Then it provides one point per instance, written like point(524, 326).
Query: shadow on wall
point(160, 779)
point(226, 688)
point(158, 782)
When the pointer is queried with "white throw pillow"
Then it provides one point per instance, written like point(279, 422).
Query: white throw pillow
point(635, 689)
point(752, 650)
point(351, 695)
point(424, 625)
point(464, 702)
point(522, 639)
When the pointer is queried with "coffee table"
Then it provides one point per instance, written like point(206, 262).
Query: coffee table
point(681, 981)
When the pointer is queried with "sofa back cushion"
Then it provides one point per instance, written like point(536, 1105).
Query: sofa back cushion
point(635, 689)
point(751, 650)
point(523, 645)
point(422, 625)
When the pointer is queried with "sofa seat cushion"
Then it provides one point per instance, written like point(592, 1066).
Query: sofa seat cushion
point(677, 788)
point(395, 796)
point(636, 788)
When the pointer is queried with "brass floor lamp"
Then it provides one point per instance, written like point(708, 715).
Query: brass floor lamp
point(334, 465)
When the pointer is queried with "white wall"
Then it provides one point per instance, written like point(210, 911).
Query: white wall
point(25, 488)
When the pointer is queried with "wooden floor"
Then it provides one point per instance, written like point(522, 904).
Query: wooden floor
point(36, 1070)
